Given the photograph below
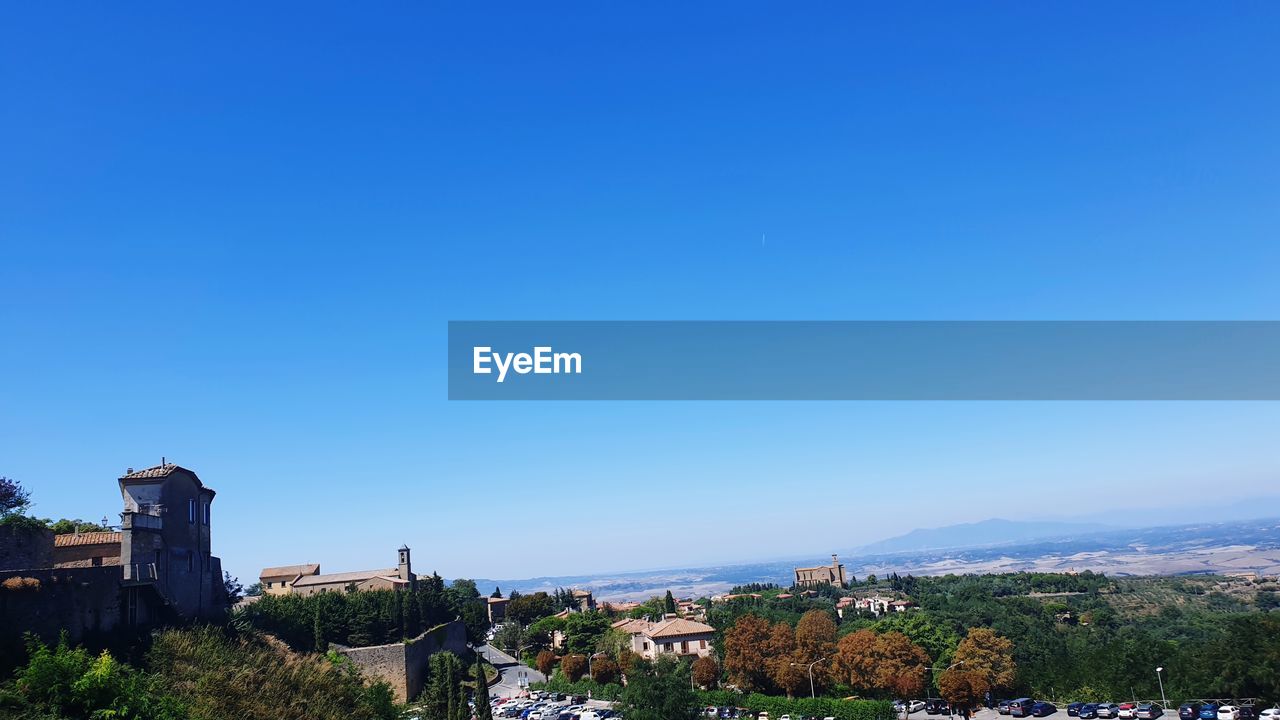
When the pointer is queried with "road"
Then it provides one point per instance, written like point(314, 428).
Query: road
point(510, 672)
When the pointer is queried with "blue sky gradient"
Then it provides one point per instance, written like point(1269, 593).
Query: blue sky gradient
point(233, 235)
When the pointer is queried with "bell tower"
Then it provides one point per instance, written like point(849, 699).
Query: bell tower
point(405, 569)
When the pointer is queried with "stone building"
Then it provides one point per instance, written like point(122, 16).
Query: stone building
point(158, 568)
point(307, 580)
point(280, 580)
point(832, 574)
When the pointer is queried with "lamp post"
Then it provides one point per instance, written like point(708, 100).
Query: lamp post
point(950, 714)
point(812, 693)
point(1163, 701)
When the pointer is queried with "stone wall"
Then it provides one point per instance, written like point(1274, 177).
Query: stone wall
point(47, 601)
point(404, 665)
point(23, 548)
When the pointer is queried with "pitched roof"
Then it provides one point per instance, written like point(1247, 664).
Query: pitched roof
point(162, 471)
point(289, 571)
point(90, 538)
point(679, 626)
point(346, 577)
point(631, 626)
point(157, 471)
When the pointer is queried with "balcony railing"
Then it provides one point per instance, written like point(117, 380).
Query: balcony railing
point(137, 520)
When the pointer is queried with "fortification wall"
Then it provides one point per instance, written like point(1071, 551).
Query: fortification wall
point(24, 548)
point(47, 601)
point(404, 665)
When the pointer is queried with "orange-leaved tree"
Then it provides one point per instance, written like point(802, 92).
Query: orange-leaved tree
point(744, 653)
point(989, 654)
point(706, 673)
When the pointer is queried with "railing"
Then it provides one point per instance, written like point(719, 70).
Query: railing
point(146, 521)
point(140, 572)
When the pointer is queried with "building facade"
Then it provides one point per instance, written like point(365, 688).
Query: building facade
point(670, 636)
point(307, 579)
point(832, 574)
point(157, 569)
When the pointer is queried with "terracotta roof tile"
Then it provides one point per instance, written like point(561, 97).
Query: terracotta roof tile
point(289, 571)
point(92, 538)
point(679, 626)
point(346, 577)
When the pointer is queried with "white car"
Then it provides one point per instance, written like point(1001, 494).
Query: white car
point(1270, 714)
point(1229, 712)
point(785, 717)
point(915, 706)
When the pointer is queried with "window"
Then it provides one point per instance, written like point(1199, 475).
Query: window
point(204, 512)
point(191, 511)
point(684, 648)
point(96, 562)
point(191, 562)
point(666, 647)
point(646, 646)
point(702, 644)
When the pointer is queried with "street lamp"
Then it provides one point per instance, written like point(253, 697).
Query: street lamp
point(950, 714)
point(812, 692)
point(1164, 702)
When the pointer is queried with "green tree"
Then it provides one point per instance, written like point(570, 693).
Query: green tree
point(658, 691)
point(669, 603)
point(14, 499)
point(483, 710)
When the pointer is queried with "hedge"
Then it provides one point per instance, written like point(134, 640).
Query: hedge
point(558, 683)
point(813, 707)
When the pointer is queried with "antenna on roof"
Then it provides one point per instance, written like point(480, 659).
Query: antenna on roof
point(162, 460)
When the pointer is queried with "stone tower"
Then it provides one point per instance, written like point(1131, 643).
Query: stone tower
point(405, 569)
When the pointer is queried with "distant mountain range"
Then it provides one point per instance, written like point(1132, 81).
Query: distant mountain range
point(996, 531)
point(1242, 544)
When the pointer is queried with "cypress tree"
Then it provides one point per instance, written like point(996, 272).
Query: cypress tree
point(483, 710)
point(317, 633)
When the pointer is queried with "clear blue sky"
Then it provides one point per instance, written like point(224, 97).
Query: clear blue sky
point(233, 235)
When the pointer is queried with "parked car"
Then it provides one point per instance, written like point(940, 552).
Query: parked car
point(1188, 711)
point(1043, 709)
point(1228, 712)
point(1209, 711)
point(915, 706)
point(1002, 707)
point(1270, 714)
point(1021, 707)
point(1248, 712)
point(1108, 709)
point(1148, 711)
point(785, 717)
point(1088, 711)
point(1126, 710)
point(1073, 709)
point(935, 706)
